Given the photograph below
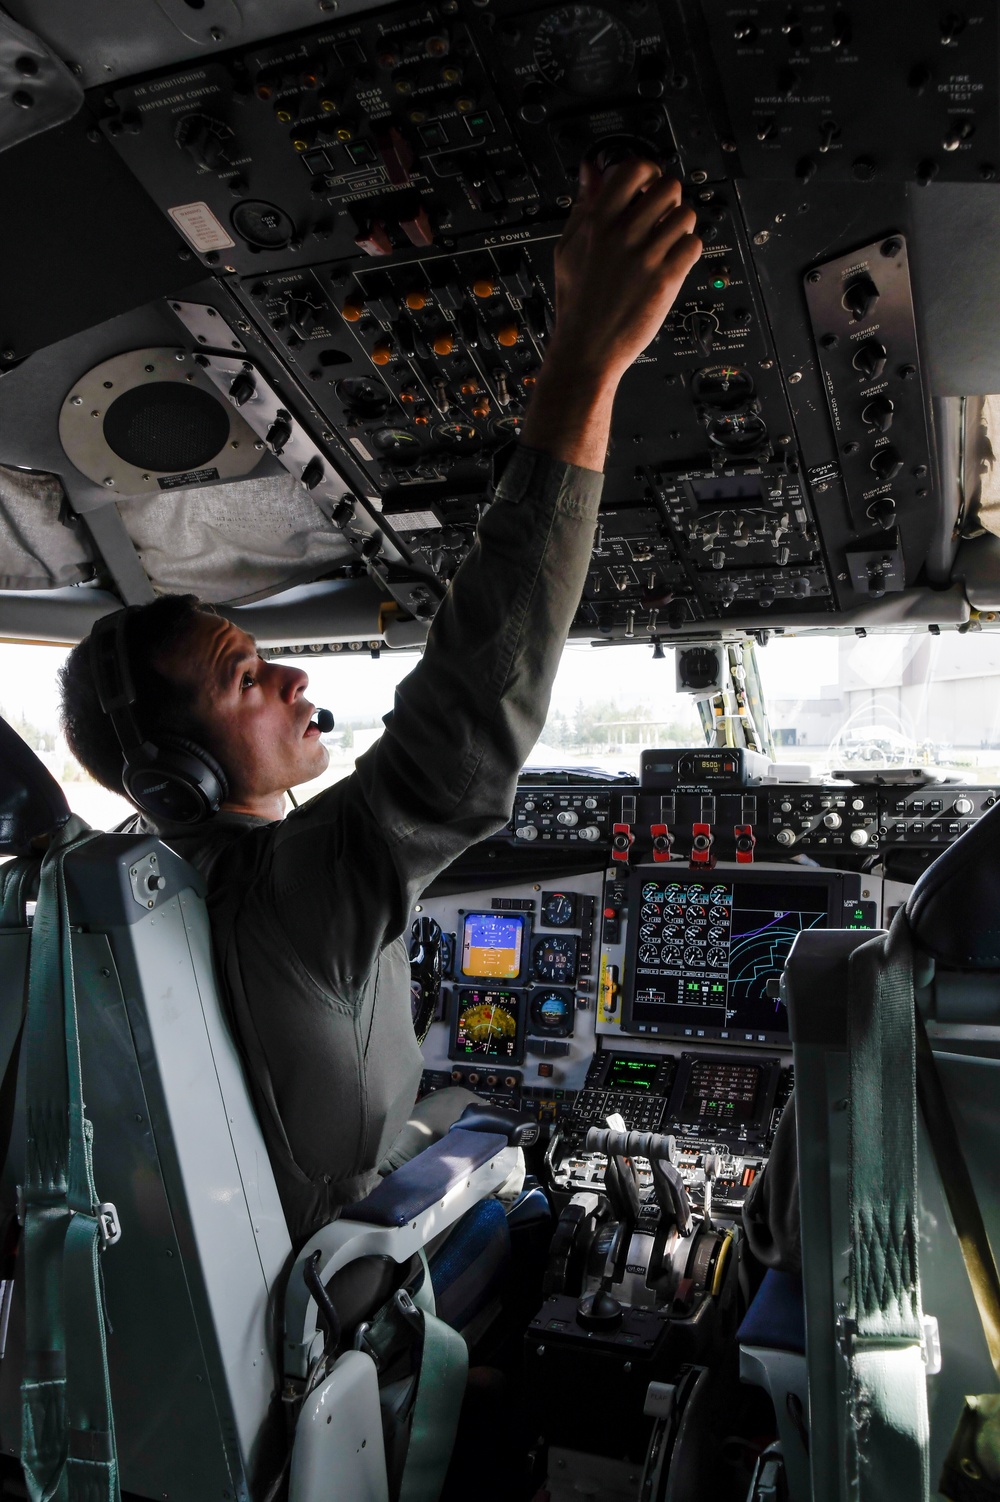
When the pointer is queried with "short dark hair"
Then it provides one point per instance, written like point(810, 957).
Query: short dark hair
point(161, 706)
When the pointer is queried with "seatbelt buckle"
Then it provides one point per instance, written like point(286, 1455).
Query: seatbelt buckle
point(108, 1225)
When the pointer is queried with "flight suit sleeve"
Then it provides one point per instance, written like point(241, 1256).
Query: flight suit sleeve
point(444, 772)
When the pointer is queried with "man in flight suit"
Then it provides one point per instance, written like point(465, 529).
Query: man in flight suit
point(308, 912)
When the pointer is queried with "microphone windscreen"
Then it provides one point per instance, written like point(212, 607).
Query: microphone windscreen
point(324, 719)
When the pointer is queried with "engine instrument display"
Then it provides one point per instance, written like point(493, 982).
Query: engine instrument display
point(702, 952)
point(493, 946)
point(489, 1024)
point(720, 1092)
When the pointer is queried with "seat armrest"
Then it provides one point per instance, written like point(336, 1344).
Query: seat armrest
point(518, 1131)
point(401, 1215)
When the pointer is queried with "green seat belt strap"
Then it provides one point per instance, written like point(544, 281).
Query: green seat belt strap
point(67, 1438)
point(881, 1337)
point(444, 1369)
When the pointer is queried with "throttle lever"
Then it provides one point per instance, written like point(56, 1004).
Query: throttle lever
point(668, 1185)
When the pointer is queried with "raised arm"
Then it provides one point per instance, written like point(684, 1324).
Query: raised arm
point(444, 773)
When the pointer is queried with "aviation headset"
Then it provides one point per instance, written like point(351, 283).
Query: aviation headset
point(173, 779)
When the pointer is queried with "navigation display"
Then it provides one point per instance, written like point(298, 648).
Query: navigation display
point(701, 953)
point(493, 945)
point(489, 1024)
point(635, 1075)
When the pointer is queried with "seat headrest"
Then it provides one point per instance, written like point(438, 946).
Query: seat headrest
point(31, 801)
point(954, 909)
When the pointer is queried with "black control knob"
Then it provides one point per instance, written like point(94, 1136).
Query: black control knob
point(766, 595)
point(860, 296)
point(801, 588)
point(703, 327)
point(883, 512)
point(243, 388)
point(313, 472)
point(204, 139)
point(534, 106)
point(303, 315)
point(878, 413)
point(876, 587)
point(886, 463)
point(870, 358)
point(279, 432)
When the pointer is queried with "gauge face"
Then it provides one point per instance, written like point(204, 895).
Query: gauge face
point(650, 911)
point(670, 954)
point(507, 427)
point(554, 959)
point(551, 1012)
point(584, 50)
point(649, 954)
point(717, 959)
point(722, 386)
point(459, 437)
point(649, 931)
point(396, 442)
point(697, 913)
point(650, 892)
point(694, 936)
point(363, 396)
point(692, 956)
point(559, 909)
point(737, 432)
point(716, 935)
point(719, 896)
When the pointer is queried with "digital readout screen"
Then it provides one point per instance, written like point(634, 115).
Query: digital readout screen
point(705, 952)
point(488, 1025)
point(637, 1075)
point(723, 488)
point(493, 945)
point(720, 1092)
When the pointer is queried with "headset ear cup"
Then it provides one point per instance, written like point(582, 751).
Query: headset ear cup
point(214, 797)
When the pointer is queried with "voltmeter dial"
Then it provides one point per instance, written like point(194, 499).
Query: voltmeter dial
point(584, 50)
point(724, 387)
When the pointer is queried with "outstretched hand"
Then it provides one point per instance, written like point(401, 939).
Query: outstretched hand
point(626, 249)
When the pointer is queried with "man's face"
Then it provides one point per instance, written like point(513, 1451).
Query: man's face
point(258, 722)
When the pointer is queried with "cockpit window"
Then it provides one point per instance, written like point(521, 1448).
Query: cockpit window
point(887, 700)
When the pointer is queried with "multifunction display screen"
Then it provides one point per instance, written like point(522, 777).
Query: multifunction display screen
point(493, 945)
point(720, 1092)
point(489, 1024)
point(701, 954)
point(635, 1075)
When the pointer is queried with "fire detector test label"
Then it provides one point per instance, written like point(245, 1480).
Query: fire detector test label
point(199, 224)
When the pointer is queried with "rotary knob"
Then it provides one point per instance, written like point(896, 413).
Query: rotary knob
point(568, 817)
point(860, 296)
point(589, 832)
point(832, 820)
point(886, 463)
point(786, 837)
point(878, 413)
point(526, 832)
point(963, 806)
point(859, 837)
point(869, 359)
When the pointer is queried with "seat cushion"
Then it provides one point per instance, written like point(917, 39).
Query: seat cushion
point(468, 1271)
point(776, 1319)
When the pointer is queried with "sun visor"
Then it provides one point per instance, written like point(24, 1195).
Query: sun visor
point(229, 544)
point(988, 512)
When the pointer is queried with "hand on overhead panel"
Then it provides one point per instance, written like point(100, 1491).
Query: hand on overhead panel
point(626, 249)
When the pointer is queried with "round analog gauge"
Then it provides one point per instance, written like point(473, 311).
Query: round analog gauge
point(364, 397)
point(650, 910)
point(717, 959)
point(696, 892)
point(697, 913)
point(670, 954)
point(650, 892)
point(397, 443)
point(719, 896)
point(673, 892)
point(584, 50)
point(558, 910)
point(672, 931)
point(649, 954)
point(675, 913)
point(716, 935)
point(551, 1012)
point(737, 432)
point(459, 437)
point(507, 427)
point(722, 386)
point(554, 959)
point(649, 931)
point(692, 956)
point(695, 936)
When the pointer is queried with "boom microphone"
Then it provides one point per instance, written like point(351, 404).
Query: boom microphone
point(324, 719)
